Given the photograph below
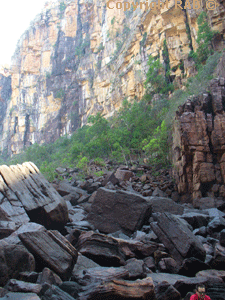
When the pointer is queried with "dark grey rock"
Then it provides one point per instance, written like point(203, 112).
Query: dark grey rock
point(135, 268)
point(222, 237)
point(191, 266)
point(83, 263)
point(54, 292)
point(160, 204)
point(177, 238)
point(118, 210)
point(165, 291)
point(48, 276)
point(52, 250)
point(14, 285)
point(21, 296)
point(195, 219)
point(13, 260)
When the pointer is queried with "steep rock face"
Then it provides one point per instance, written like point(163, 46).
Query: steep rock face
point(5, 93)
point(199, 144)
point(81, 57)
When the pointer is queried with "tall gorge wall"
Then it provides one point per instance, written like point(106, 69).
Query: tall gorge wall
point(81, 57)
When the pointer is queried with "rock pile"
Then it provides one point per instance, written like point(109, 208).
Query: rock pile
point(116, 244)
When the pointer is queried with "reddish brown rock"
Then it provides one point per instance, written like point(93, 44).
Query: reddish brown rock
point(121, 289)
point(123, 175)
point(100, 248)
point(199, 145)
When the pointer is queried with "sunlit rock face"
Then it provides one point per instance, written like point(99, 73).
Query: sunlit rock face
point(81, 57)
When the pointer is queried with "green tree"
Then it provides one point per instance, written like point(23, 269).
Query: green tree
point(155, 82)
point(157, 146)
point(204, 38)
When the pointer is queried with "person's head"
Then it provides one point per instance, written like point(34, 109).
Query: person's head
point(200, 290)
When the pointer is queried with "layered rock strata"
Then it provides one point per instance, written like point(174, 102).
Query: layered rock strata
point(23, 187)
point(199, 145)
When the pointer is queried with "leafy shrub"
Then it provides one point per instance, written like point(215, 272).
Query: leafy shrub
point(83, 163)
point(157, 146)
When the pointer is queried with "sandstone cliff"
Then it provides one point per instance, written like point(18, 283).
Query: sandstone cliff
point(199, 144)
point(80, 57)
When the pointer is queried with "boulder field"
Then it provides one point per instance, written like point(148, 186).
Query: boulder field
point(104, 238)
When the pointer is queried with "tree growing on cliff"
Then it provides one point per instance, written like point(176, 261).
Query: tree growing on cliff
point(204, 40)
point(155, 82)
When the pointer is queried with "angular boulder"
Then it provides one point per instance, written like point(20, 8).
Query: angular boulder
point(118, 210)
point(13, 260)
point(51, 249)
point(54, 292)
point(165, 291)
point(102, 249)
point(36, 200)
point(177, 238)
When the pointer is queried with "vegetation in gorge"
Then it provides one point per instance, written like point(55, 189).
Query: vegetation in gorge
point(204, 40)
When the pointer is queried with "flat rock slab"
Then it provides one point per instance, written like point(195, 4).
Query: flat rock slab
point(52, 249)
point(21, 296)
point(102, 249)
point(25, 188)
point(14, 285)
point(101, 274)
point(177, 238)
point(211, 273)
point(120, 290)
point(118, 210)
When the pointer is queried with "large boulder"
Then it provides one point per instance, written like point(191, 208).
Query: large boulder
point(177, 237)
point(51, 249)
point(13, 260)
point(35, 199)
point(118, 210)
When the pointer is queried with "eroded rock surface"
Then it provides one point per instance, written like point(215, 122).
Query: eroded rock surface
point(199, 146)
point(24, 187)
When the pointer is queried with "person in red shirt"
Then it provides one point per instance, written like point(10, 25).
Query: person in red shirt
point(200, 293)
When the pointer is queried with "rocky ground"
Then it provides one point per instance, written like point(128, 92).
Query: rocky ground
point(123, 235)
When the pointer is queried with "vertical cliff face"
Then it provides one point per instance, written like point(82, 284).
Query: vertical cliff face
point(81, 57)
point(199, 143)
